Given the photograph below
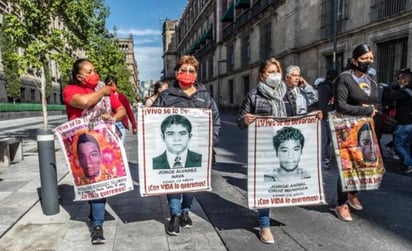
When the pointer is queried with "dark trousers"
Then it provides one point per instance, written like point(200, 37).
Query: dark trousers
point(342, 196)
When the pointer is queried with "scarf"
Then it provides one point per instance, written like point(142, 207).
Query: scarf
point(276, 98)
point(103, 106)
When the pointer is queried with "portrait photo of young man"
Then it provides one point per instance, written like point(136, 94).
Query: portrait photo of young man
point(288, 143)
point(176, 132)
point(90, 160)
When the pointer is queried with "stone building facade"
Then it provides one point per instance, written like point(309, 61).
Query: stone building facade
point(127, 45)
point(231, 37)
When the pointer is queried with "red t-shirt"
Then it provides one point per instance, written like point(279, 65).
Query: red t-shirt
point(73, 112)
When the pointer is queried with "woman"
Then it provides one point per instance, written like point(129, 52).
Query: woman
point(186, 92)
point(124, 123)
point(356, 93)
point(158, 88)
point(85, 96)
point(270, 99)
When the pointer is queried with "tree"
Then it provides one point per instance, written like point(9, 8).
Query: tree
point(32, 25)
point(10, 66)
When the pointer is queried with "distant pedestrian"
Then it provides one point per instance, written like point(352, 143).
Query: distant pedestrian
point(84, 96)
point(356, 93)
point(159, 86)
point(326, 105)
point(122, 125)
point(189, 93)
point(402, 135)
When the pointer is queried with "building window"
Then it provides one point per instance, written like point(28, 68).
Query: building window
point(265, 48)
point(231, 93)
point(210, 66)
point(340, 63)
point(382, 9)
point(391, 57)
point(245, 53)
point(230, 58)
point(245, 81)
point(22, 94)
point(326, 19)
point(211, 92)
point(32, 95)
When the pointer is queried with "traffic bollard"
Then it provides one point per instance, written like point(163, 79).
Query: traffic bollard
point(48, 173)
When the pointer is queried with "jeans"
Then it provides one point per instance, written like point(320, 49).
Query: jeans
point(264, 219)
point(402, 139)
point(122, 129)
point(97, 209)
point(176, 207)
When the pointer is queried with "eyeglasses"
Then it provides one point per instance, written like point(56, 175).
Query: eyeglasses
point(192, 71)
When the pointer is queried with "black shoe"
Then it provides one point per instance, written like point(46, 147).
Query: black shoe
point(407, 170)
point(174, 226)
point(185, 220)
point(97, 235)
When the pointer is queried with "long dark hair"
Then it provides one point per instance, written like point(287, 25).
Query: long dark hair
point(357, 52)
point(77, 66)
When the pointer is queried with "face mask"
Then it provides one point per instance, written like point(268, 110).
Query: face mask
point(186, 79)
point(363, 66)
point(91, 80)
point(274, 79)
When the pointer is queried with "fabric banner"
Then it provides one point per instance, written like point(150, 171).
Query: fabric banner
point(284, 162)
point(357, 152)
point(175, 150)
point(96, 158)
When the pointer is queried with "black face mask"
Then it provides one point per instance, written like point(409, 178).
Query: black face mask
point(363, 66)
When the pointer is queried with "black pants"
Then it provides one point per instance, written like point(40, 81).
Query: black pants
point(342, 196)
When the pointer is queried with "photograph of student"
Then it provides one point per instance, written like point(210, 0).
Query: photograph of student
point(186, 92)
point(176, 134)
point(90, 160)
point(288, 143)
point(366, 144)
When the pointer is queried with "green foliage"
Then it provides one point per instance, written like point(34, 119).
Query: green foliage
point(10, 66)
point(33, 27)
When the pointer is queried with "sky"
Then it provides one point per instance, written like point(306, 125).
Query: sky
point(144, 19)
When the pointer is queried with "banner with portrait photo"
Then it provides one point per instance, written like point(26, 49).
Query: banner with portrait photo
point(175, 150)
point(284, 162)
point(357, 152)
point(96, 158)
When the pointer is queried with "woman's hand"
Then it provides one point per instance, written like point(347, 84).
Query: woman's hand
point(107, 116)
point(319, 115)
point(249, 118)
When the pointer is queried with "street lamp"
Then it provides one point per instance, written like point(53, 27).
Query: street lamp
point(218, 79)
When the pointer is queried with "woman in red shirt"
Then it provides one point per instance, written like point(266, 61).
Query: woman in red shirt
point(86, 96)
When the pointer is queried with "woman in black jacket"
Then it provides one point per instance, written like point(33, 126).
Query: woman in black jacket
point(356, 93)
point(187, 93)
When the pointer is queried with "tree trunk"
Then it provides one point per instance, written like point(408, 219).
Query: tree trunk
point(43, 100)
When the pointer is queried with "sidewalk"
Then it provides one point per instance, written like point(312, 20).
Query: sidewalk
point(132, 222)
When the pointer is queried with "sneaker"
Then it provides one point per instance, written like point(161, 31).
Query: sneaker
point(392, 152)
point(354, 202)
point(174, 226)
point(407, 170)
point(97, 235)
point(343, 213)
point(266, 236)
point(185, 220)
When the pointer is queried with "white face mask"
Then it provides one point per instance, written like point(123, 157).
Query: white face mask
point(274, 79)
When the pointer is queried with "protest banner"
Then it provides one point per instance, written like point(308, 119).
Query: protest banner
point(175, 150)
point(96, 158)
point(357, 151)
point(284, 162)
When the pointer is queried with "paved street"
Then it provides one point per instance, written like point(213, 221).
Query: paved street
point(221, 219)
